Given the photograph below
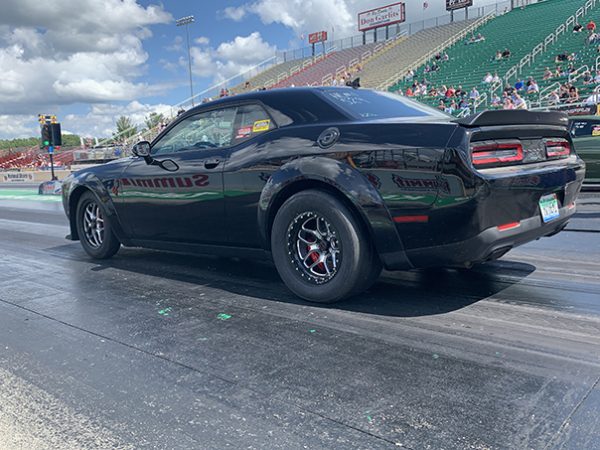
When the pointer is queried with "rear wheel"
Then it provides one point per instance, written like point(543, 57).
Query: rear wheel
point(94, 228)
point(320, 249)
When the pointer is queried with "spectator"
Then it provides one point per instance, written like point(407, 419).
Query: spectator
point(593, 99)
point(464, 105)
point(435, 67)
point(533, 87)
point(506, 53)
point(587, 78)
point(410, 74)
point(441, 106)
point(518, 102)
point(508, 104)
point(547, 74)
point(496, 101)
point(496, 78)
point(488, 78)
point(554, 98)
point(498, 56)
point(577, 28)
point(519, 85)
point(409, 92)
point(561, 57)
point(593, 37)
point(445, 57)
point(450, 92)
point(433, 92)
point(573, 95)
point(474, 95)
point(591, 26)
point(563, 92)
point(438, 56)
point(597, 77)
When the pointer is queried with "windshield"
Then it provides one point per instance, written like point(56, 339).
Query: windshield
point(373, 105)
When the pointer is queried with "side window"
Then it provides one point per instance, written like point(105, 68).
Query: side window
point(251, 120)
point(212, 129)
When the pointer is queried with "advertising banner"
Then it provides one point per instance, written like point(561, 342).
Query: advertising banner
point(381, 17)
point(451, 5)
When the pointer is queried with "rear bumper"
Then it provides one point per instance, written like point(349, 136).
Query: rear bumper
point(489, 244)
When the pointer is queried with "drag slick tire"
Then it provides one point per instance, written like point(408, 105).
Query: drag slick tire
point(94, 228)
point(321, 250)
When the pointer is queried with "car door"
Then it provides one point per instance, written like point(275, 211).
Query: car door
point(181, 202)
point(246, 172)
point(586, 138)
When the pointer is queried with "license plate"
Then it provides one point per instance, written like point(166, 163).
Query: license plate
point(549, 207)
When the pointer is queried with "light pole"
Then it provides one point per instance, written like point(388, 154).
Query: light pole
point(186, 21)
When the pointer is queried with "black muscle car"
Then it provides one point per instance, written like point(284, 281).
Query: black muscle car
point(334, 184)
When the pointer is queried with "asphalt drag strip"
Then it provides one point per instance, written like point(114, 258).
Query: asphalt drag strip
point(159, 350)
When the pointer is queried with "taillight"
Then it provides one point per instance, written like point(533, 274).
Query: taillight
point(492, 152)
point(557, 148)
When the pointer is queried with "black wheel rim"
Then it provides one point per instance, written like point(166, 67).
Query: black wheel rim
point(314, 247)
point(93, 225)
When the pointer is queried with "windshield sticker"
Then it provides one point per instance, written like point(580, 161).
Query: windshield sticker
point(261, 125)
point(243, 132)
point(596, 130)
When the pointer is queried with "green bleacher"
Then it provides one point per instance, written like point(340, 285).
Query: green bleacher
point(520, 31)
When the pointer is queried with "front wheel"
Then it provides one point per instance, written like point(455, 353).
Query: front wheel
point(94, 228)
point(321, 250)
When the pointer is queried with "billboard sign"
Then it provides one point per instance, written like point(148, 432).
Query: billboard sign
point(319, 36)
point(381, 17)
point(451, 5)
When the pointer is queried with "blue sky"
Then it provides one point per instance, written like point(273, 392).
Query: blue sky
point(89, 61)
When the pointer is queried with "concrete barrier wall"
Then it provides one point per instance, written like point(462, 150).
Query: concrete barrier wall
point(31, 176)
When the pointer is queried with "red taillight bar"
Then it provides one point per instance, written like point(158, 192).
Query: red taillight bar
point(498, 152)
point(509, 226)
point(557, 148)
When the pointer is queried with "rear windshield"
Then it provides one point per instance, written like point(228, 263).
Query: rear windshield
point(373, 105)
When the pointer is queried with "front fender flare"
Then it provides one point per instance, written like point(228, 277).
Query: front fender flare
point(93, 184)
point(347, 181)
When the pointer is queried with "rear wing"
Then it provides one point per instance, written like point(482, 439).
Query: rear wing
point(514, 117)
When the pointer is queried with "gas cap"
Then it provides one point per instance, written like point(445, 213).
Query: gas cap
point(328, 137)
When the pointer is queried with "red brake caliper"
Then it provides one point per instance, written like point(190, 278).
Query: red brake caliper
point(315, 257)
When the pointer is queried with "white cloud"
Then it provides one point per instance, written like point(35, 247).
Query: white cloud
point(231, 58)
point(233, 13)
point(66, 51)
point(202, 40)
point(308, 16)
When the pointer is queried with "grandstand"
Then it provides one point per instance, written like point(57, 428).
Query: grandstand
point(404, 55)
point(272, 75)
point(548, 31)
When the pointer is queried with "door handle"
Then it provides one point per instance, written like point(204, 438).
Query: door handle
point(211, 163)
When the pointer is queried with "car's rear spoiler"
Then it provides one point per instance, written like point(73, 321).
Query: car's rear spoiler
point(512, 117)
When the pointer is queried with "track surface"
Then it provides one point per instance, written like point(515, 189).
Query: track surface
point(156, 350)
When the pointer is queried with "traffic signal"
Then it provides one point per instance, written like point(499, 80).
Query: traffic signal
point(46, 135)
point(55, 134)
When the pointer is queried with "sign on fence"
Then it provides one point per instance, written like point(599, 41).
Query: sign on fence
point(381, 17)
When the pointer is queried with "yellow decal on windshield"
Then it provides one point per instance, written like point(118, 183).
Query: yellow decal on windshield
point(261, 125)
point(596, 130)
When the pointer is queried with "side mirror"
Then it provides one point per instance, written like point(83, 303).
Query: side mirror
point(141, 149)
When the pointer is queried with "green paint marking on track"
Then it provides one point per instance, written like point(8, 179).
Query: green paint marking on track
point(312, 331)
point(223, 316)
point(165, 312)
point(27, 194)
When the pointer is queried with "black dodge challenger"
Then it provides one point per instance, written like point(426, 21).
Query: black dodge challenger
point(333, 184)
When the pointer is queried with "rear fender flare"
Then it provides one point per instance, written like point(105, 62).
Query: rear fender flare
point(333, 175)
